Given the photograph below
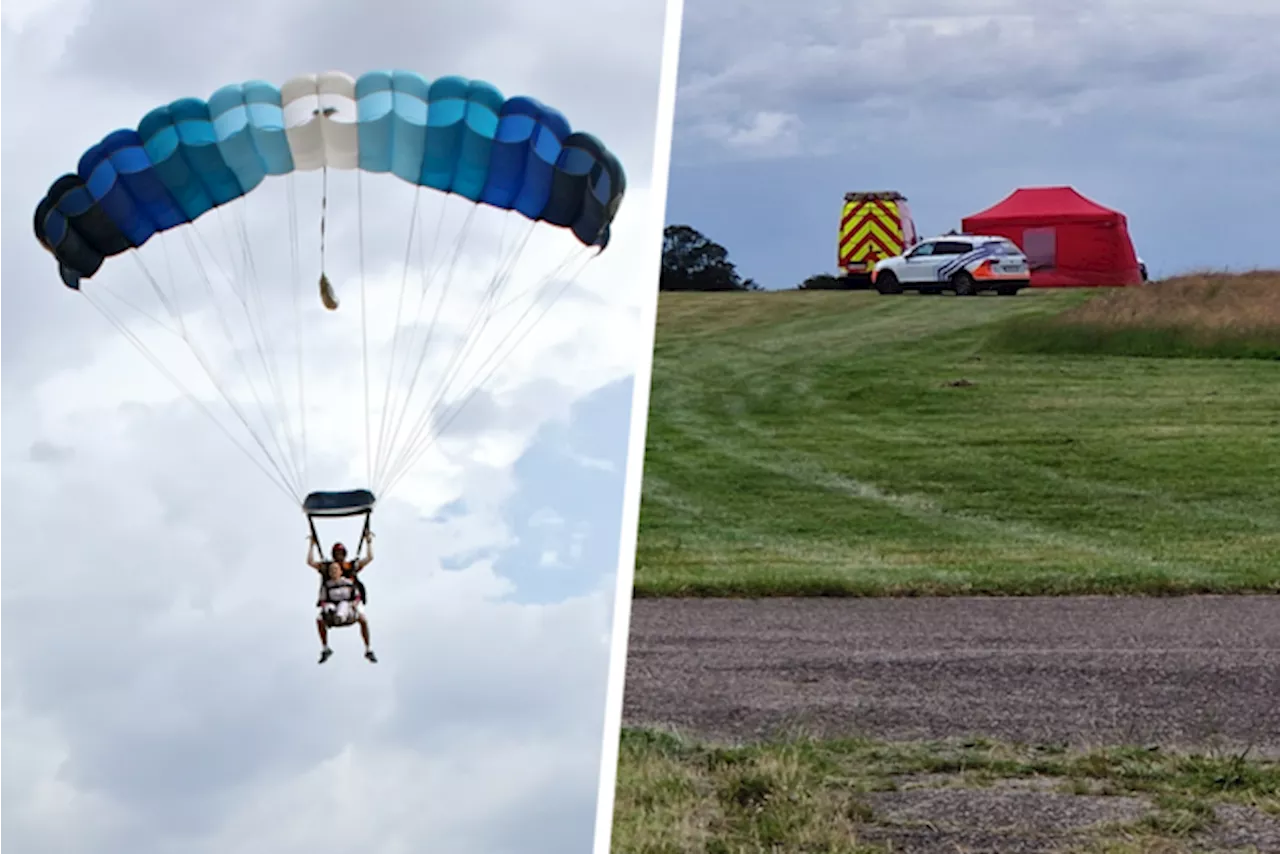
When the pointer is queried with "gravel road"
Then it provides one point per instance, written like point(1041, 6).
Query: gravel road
point(1191, 672)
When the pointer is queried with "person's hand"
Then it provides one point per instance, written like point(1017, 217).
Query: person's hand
point(368, 535)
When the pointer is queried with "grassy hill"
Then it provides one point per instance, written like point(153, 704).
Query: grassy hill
point(834, 443)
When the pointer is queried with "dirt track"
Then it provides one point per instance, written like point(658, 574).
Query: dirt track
point(1191, 672)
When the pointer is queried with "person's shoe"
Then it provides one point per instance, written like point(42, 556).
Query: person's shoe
point(368, 653)
point(324, 655)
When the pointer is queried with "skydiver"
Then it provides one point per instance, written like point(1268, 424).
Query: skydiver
point(351, 568)
point(341, 600)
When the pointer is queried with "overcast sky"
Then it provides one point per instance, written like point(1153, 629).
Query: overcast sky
point(159, 659)
point(1164, 109)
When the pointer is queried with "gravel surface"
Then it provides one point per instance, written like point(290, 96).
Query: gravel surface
point(1194, 672)
point(951, 820)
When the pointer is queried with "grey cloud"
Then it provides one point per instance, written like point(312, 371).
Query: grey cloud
point(835, 65)
point(567, 817)
point(48, 452)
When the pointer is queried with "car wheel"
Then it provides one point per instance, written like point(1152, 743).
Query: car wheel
point(887, 283)
point(964, 284)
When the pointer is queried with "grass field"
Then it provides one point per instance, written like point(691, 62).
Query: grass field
point(860, 797)
point(845, 443)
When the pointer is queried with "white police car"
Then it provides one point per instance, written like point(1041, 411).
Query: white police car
point(963, 263)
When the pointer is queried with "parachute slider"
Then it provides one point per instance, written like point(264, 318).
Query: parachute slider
point(326, 293)
point(349, 503)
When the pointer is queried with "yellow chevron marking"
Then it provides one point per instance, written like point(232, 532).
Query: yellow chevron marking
point(872, 228)
point(888, 221)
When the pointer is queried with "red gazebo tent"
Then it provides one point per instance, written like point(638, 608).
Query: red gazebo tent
point(1071, 241)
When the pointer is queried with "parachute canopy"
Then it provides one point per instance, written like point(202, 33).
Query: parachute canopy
point(235, 303)
point(452, 134)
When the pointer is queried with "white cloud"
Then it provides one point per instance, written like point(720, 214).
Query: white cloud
point(760, 134)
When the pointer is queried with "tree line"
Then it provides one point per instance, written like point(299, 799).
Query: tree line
point(691, 261)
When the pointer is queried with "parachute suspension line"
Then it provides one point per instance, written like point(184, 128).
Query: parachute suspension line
point(541, 283)
point(162, 297)
point(385, 459)
point(266, 354)
point(170, 304)
point(468, 341)
point(471, 387)
point(283, 479)
point(295, 261)
point(394, 408)
point(241, 296)
point(223, 323)
point(427, 274)
point(205, 279)
point(471, 338)
point(429, 267)
point(397, 347)
point(395, 336)
point(142, 311)
point(271, 362)
point(197, 227)
point(160, 366)
point(364, 334)
point(214, 376)
point(416, 447)
point(456, 409)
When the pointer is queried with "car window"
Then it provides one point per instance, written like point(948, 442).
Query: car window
point(953, 247)
point(922, 250)
point(1008, 247)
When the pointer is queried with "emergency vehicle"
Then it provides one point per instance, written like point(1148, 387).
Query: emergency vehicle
point(873, 226)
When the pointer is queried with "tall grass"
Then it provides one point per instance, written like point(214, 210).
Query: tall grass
point(1200, 315)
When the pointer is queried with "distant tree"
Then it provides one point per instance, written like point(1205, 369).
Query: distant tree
point(823, 282)
point(691, 261)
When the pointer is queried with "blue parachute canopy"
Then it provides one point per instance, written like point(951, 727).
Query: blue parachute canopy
point(452, 134)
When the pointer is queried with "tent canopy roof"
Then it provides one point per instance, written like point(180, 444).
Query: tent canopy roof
point(1046, 203)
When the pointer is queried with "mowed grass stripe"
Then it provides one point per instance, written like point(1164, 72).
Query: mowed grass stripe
point(819, 443)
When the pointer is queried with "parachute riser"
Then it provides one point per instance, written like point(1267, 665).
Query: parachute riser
point(329, 505)
point(364, 534)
